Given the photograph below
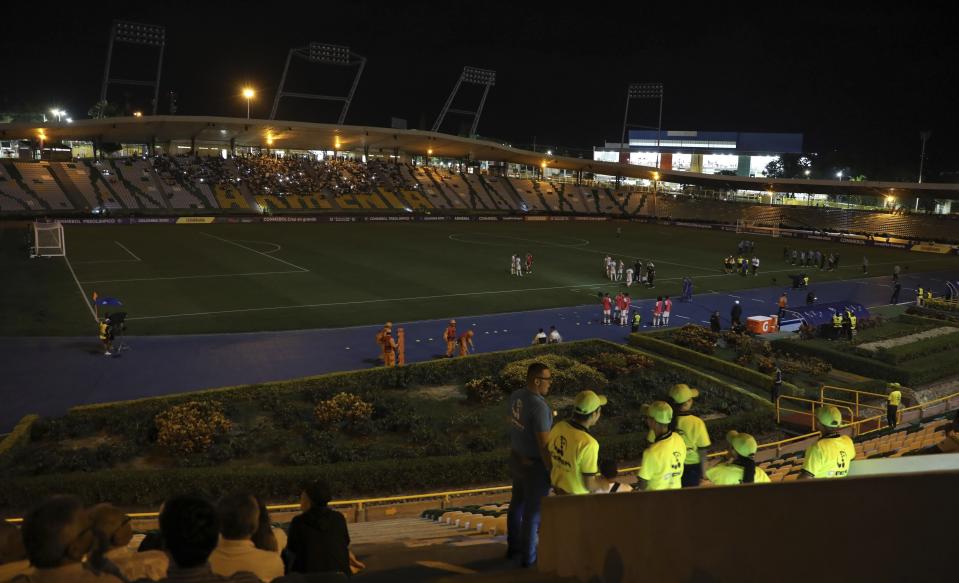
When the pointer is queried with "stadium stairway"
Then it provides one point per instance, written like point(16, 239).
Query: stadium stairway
point(29, 196)
point(501, 198)
point(80, 199)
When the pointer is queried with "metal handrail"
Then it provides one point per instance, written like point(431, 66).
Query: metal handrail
point(856, 393)
point(811, 412)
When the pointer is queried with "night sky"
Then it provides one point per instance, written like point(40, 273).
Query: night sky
point(859, 82)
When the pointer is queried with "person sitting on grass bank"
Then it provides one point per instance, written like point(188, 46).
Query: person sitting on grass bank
point(832, 454)
point(574, 452)
point(662, 465)
point(693, 431)
point(739, 466)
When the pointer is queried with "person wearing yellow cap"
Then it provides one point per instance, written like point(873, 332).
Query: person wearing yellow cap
point(693, 431)
point(662, 465)
point(832, 454)
point(892, 408)
point(574, 452)
point(739, 466)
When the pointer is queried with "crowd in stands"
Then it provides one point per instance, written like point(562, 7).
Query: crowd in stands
point(198, 542)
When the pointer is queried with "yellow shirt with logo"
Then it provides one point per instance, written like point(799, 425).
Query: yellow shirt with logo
point(895, 398)
point(694, 433)
point(574, 452)
point(662, 465)
point(830, 457)
point(727, 474)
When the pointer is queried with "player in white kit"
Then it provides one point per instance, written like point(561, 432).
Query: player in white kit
point(629, 277)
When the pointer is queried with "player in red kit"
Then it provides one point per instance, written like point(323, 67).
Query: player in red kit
point(529, 263)
point(607, 308)
point(624, 312)
point(667, 308)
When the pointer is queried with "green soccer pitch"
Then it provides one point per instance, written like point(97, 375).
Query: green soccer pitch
point(179, 279)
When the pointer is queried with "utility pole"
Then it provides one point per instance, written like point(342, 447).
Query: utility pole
point(924, 135)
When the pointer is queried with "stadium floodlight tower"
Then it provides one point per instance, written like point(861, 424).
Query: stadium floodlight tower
point(322, 54)
point(135, 33)
point(475, 76)
point(644, 91)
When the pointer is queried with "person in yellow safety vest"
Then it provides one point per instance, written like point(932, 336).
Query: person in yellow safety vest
point(836, 326)
point(693, 431)
point(805, 280)
point(832, 454)
point(892, 408)
point(637, 320)
point(739, 466)
point(662, 465)
point(103, 332)
point(919, 296)
point(574, 452)
point(852, 324)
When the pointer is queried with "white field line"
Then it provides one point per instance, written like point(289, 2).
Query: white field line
point(293, 265)
point(277, 246)
point(383, 300)
point(122, 246)
point(83, 294)
point(193, 276)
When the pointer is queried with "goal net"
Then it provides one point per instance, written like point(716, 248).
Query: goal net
point(48, 240)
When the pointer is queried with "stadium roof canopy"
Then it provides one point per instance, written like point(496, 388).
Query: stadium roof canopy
point(315, 136)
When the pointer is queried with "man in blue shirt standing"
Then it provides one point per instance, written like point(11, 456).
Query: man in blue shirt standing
point(530, 422)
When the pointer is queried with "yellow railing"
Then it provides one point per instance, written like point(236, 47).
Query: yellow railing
point(811, 411)
point(857, 403)
point(878, 419)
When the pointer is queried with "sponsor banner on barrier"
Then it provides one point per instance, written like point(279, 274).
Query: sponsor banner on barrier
point(512, 218)
point(560, 219)
point(120, 221)
point(535, 218)
point(693, 225)
point(590, 218)
point(290, 219)
point(932, 248)
point(195, 220)
point(379, 219)
point(488, 218)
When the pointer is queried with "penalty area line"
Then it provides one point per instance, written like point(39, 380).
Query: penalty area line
point(83, 294)
point(268, 256)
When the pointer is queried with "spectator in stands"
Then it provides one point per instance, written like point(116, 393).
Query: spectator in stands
point(892, 407)
point(833, 453)
point(319, 541)
point(530, 423)
point(190, 532)
point(574, 452)
point(239, 516)
point(57, 535)
point(950, 444)
point(13, 556)
point(113, 535)
point(610, 470)
point(735, 314)
point(739, 466)
point(662, 465)
point(267, 537)
point(693, 431)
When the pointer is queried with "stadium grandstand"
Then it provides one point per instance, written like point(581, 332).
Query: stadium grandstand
point(241, 349)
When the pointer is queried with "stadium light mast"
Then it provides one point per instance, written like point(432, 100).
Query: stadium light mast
point(643, 91)
point(134, 33)
point(322, 54)
point(248, 94)
point(924, 135)
point(474, 76)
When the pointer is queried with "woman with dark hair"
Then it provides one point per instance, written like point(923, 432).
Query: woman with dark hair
point(319, 541)
point(266, 537)
point(739, 467)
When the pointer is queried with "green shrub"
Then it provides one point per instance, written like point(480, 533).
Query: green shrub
point(913, 350)
point(616, 364)
point(18, 438)
point(191, 427)
point(695, 337)
point(569, 376)
point(343, 408)
point(484, 390)
point(844, 360)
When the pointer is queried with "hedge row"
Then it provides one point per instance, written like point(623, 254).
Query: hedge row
point(846, 361)
point(930, 314)
point(19, 437)
point(913, 350)
point(724, 367)
point(926, 319)
point(382, 477)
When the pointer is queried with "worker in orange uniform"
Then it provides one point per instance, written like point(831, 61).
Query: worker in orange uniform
point(389, 348)
point(388, 327)
point(466, 343)
point(450, 337)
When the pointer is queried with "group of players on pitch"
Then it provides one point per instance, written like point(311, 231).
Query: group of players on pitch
point(638, 273)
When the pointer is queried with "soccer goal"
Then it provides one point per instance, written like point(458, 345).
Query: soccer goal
point(48, 240)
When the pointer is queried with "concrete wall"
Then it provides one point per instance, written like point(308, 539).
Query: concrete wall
point(894, 528)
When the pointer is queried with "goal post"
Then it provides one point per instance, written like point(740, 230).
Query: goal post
point(48, 240)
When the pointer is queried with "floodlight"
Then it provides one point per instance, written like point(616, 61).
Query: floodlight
point(327, 53)
point(479, 76)
point(140, 34)
point(645, 90)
